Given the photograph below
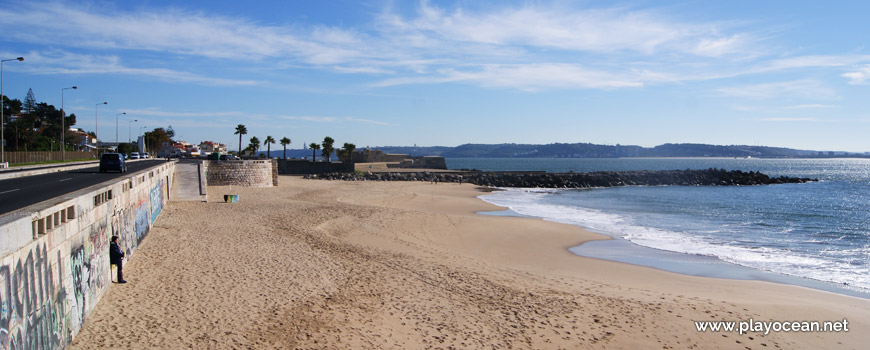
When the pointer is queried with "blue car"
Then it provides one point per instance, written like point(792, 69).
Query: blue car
point(113, 161)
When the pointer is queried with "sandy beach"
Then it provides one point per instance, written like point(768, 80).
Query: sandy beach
point(315, 264)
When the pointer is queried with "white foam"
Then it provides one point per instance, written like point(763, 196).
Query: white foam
point(783, 261)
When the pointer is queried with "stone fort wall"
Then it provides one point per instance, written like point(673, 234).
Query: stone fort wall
point(247, 173)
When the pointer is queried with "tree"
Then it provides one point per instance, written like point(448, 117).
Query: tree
point(48, 121)
point(155, 138)
point(29, 102)
point(241, 130)
point(124, 147)
point(69, 121)
point(327, 147)
point(268, 142)
point(314, 147)
point(11, 107)
point(284, 142)
point(254, 145)
point(348, 151)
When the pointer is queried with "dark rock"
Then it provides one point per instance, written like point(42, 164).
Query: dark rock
point(707, 177)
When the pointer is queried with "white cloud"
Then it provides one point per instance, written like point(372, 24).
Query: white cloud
point(333, 119)
point(468, 43)
point(804, 88)
point(64, 63)
point(526, 77)
point(563, 28)
point(716, 47)
point(529, 47)
point(815, 61)
point(155, 112)
point(790, 119)
point(859, 77)
point(310, 118)
point(366, 121)
point(810, 106)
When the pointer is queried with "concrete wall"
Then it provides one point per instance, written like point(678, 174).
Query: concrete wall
point(55, 256)
point(248, 173)
point(302, 167)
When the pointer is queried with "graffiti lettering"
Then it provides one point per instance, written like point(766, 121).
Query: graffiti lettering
point(32, 304)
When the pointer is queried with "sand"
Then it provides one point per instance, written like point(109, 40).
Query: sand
point(315, 264)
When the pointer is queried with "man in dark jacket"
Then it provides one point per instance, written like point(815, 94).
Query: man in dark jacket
point(116, 257)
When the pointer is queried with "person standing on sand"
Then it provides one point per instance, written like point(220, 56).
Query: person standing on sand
point(116, 257)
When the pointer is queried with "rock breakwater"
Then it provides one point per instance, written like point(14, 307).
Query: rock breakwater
point(706, 177)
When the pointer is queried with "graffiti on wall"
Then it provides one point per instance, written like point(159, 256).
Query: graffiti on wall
point(33, 303)
point(124, 225)
point(143, 219)
point(89, 265)
point(46, 293)
point(156, 200)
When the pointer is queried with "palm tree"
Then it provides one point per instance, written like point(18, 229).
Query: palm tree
point(241, 130)
point(348, 151)
point(284, 142)
point(268, 142)
point(327, 147)
point(314, 148)
point(255, 145)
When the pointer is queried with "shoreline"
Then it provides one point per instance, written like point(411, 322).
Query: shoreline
point(331, 264)
point(618, 249)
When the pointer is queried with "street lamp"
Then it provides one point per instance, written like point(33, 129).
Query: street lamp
point(62, 126)
point(97, 124)
point(116, 127)
point(2, 120)
point(129, 132)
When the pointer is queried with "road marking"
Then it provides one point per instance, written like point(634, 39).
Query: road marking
point(4, 192)
point(69, 178)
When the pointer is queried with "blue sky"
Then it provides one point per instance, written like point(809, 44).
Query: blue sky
point(778, 73)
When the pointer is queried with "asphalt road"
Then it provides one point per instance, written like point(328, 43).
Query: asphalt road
point(20, 192)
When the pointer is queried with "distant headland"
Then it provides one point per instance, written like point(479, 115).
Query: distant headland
point(589, 150)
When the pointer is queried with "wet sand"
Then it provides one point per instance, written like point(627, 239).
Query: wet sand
point(382, 265)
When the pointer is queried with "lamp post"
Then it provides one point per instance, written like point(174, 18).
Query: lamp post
point(2, 120)
point(97, 124)
point(116, 127)
point(62, 126)
point(129, 132)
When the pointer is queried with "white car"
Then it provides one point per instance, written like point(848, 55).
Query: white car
point(134, 155)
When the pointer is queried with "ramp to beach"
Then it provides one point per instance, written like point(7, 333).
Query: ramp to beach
point(189, 182)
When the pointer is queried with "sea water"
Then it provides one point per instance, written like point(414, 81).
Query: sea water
point(819, 231)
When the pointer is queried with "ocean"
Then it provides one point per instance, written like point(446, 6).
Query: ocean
point(814, 234)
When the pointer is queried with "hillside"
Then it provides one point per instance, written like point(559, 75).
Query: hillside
point(589, 150)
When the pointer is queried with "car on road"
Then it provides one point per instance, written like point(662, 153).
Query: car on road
point(134, 155)
point(228, 157)
point(146, 155)
point(113, 161)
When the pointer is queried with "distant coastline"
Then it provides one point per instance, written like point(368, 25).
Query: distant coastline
point(589, 150)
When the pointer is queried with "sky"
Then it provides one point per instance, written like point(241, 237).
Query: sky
point(443, 73)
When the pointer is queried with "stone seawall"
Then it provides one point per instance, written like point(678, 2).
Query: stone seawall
point(55, 255)
point(302, 166)
point(247, 173)
point(708, 177)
